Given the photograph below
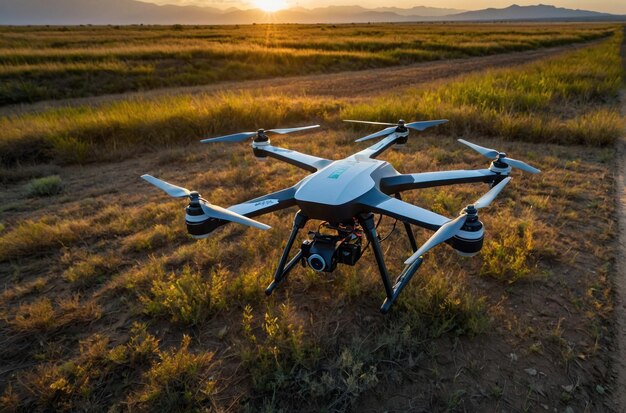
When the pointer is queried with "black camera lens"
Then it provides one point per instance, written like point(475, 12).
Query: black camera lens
point(317, 262)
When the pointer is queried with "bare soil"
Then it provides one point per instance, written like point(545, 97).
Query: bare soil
point(341, 85)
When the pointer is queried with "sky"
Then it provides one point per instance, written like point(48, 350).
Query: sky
point(609, 6)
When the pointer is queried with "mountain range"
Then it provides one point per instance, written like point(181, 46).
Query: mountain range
point(98, 12)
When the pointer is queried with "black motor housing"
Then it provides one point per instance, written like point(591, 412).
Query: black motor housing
point(469, 240)
point(198, 224)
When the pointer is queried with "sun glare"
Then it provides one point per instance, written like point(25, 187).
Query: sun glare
point(270, 5)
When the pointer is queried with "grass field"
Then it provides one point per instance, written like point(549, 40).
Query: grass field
point(109, 305)
point(58, 62)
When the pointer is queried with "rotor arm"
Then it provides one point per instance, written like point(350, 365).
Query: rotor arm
point(268, 203)
point(382, 204)
point(301, 160)
point(378, 148)
point(398, 183)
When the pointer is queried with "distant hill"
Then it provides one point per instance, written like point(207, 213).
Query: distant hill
point(515, 12)
point(100, 12)
point(420, 11)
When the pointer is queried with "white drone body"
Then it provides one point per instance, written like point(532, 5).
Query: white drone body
point(345, 194)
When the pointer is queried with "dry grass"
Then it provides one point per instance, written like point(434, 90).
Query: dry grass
point(44, 63)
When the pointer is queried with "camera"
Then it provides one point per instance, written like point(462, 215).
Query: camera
point(323, 252)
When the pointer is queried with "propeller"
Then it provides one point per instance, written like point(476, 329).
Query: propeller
point(401, 126)
point(259, 134)
point(500, 157)
point(450, 228)
point(209, 209)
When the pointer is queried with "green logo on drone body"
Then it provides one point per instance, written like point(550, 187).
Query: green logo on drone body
point(337, 172)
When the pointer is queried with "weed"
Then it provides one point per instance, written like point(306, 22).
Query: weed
point(50, 185)
point(36, 237)
point(179, 381)
point(95, 371)
point(94, 269)
point(186, 298)
point(508, 255)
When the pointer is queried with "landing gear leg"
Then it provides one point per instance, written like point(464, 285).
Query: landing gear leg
point(409, 231)
point(367, 222)
point(285, 267)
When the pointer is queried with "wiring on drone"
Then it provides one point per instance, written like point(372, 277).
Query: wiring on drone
point(380, 218)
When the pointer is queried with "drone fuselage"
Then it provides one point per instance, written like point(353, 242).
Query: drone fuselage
point(334, 193)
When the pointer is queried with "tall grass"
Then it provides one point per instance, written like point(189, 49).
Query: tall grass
point(39, 63)
point(84, 133)
point(567, 100)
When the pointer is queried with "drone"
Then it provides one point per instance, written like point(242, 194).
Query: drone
point(345, 195)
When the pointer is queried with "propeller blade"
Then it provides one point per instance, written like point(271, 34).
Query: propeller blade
point(235, 137)
point(218, 212)
point(425, 124)
point(171, 190)
point(289, 130)
point(486, 199)
point(370, 123)
point(450, 228)
point(383, 132)
point(521, 165)
point(444, 233)
point(489, 153)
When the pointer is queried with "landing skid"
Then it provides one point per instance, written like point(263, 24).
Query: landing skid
point(369, 227)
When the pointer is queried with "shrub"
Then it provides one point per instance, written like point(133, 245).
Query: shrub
point(47, 186)
point(179, 381)
point(186, 298)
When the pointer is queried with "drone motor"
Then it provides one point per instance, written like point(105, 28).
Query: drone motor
point(469, 239)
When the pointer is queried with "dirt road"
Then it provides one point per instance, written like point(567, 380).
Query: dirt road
point(340, 85)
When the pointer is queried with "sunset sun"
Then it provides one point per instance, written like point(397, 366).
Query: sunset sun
point(270, 5)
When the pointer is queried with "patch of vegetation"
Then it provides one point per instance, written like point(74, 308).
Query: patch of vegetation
point(178, 381)
point(83, 382)
point(93, 269)
point(37, 237)
point(41, 316)
point(507, 255)
point(47, 186)
point(106, 132)
point(187, 297)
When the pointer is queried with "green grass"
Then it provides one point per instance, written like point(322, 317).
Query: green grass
point(47, 186)
point(44, 63)
point(80, 134)
point(570, 100)
point(567, 100)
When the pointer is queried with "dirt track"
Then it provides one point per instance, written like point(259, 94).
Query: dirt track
point(340, 85)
